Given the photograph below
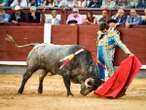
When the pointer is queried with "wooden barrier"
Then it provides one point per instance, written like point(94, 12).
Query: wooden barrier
point(135, 40)
point(64, 34)
point(84, 35)
point(23, 34)
point(87, 38)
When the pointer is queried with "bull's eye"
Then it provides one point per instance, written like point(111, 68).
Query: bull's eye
point(89, 83)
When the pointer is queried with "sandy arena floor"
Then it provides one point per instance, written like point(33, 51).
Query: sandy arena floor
point(54, 96)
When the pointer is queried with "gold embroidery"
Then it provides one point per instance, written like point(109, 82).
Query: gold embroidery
point(111, 34)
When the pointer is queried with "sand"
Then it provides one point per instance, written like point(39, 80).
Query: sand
point(54, 96)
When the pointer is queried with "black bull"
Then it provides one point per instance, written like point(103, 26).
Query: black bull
point(81, 69)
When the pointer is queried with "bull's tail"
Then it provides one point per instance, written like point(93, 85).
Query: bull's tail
point(11, 39)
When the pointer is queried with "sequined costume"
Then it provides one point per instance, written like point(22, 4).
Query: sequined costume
point(106, 49)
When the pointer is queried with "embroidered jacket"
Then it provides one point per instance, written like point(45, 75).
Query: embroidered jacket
point(111, 40)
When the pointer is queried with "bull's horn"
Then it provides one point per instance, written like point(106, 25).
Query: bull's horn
point(87, 82)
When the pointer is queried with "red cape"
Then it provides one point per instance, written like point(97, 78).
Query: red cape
point(117, 84)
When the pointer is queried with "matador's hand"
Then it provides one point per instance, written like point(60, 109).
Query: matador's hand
point(131, 54)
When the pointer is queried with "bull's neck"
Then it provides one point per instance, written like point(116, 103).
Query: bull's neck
point(80, 79)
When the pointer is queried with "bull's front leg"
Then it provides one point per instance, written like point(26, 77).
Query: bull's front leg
point(67, 82)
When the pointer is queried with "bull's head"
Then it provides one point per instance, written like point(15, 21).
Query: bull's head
point(89, 85)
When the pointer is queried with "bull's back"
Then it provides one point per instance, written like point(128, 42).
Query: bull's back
point(56, 51)
point(48, 55)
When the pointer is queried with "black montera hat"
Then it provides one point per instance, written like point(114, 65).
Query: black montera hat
point(103, 26)
point(112, 21)
point(72, 22)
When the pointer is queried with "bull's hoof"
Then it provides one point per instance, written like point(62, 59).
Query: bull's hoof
point(70, 95)
point(40, 92)
point(19, 91)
